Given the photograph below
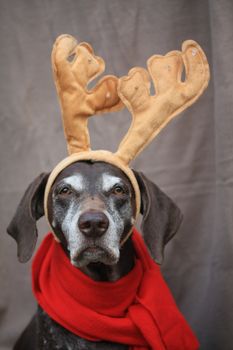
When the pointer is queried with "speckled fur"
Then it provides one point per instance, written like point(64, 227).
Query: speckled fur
point(49, 335)
point(61, 339)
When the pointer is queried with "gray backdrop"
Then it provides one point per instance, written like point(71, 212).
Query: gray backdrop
point(191, 160)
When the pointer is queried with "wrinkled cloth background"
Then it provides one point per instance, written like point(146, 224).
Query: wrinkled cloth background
point(191, 159)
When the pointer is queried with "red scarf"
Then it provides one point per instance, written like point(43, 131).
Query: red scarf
point(137, 310)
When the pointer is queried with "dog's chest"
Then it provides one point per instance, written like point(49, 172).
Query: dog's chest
point(52, 336)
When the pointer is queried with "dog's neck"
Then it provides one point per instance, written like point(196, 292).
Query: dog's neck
point(111, 273)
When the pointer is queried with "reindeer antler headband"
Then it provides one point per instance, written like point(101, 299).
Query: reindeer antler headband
point(75, 65)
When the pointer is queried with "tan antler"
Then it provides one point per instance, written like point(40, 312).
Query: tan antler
point(151, 113)
point(74, 66)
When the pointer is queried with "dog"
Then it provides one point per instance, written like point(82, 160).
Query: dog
point(91, 207)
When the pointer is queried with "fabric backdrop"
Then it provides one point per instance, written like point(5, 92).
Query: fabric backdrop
point(191, 159)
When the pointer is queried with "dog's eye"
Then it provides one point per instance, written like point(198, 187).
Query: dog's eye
point(65, 190)
point(117, 190)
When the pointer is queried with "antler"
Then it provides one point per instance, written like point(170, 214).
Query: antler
point(151, 113)
point(74, 66)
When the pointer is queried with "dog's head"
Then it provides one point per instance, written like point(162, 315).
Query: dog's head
point(91, 208)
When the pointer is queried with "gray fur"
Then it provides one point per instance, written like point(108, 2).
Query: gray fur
point(109, 243)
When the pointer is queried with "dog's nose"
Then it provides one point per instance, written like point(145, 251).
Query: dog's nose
point(93, 223)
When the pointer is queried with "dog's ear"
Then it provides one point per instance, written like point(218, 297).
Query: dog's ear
point(161, 217)
point(23, 225)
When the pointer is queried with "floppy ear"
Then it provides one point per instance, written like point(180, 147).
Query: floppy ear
point(23, 225)
point(161, 217)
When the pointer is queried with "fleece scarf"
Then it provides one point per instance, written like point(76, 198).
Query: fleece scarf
point(137, 310)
